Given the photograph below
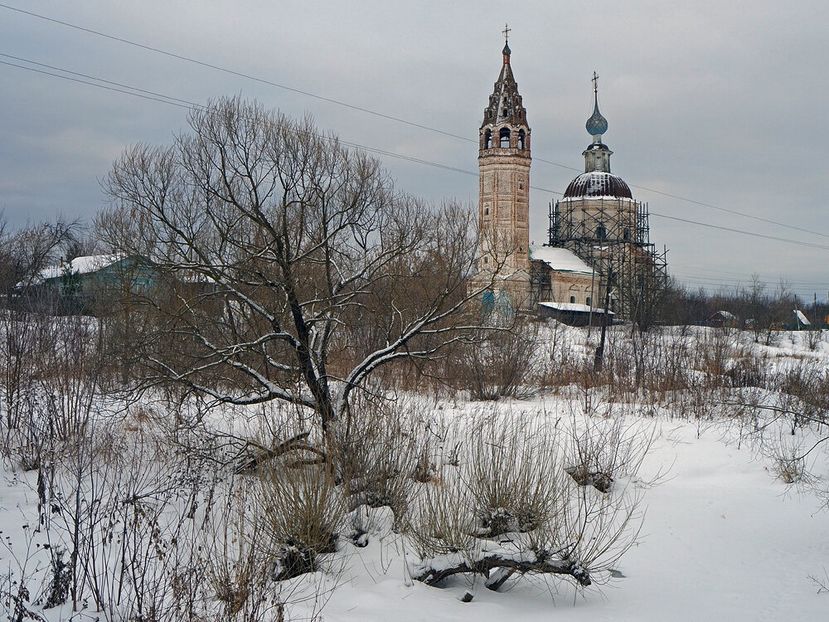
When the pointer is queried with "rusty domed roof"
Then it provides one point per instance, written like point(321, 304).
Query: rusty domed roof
point(598, 184)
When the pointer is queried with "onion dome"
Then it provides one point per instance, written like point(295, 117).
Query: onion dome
point(596, 125)
point(598, 184)
point(597, 180)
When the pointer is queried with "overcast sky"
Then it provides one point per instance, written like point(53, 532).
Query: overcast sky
point(723, 103)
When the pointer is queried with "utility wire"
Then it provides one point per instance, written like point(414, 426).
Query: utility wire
point(375, 113)
point(741, 231)
point(232, 72)
point(183, 103)
point(127, 89)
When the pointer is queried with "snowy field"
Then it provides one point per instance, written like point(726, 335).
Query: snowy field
point(721, 540)
point(720, 536)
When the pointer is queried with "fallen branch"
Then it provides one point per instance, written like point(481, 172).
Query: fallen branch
point(501, 563)
point(263, 454)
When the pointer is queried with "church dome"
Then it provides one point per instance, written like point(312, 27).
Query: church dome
point(596, 125)
point(597, 184)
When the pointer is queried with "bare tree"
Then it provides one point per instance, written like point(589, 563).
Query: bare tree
point(25, 252)
point(273, 240)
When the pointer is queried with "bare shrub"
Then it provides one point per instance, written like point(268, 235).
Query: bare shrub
point(458, 526)
point(510, 471)
point(382, 452)
point(240, 569)
point(501, 363)
point(301, 510)
point(442, 521)
point(716, 347)
point(604, 445)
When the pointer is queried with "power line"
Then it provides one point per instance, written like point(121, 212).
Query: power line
point(186, 104)
point(693, 269)
point(153, 94)
point(375, 113)
point(100, 86)
point(741, 231)
point(233, 72)
point(746, 281)
point(126, 89)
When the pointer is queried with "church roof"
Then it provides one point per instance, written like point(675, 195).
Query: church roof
point(574, 307)
point(505, 105)
point(560, 259)
point(594, 184)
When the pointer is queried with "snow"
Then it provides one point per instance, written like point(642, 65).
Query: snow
point(722, 538)
point(801, 318)
point(560, 259)
point(573, 306)
point(79, 265)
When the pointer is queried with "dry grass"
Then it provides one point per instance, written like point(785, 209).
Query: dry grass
point(301, 510)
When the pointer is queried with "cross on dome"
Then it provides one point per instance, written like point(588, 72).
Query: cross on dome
point(596, 125)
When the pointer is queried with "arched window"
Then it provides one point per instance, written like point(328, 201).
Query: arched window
point(626, 234)
point(572, 299)
point(521, 139)
point(601, 232)
point(588, 301)
point(488, 301)
point(504, 137)
point(487, 139)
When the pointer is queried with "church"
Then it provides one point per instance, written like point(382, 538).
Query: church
point(598, 261)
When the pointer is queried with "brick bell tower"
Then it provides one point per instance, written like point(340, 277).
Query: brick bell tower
point(503, 205)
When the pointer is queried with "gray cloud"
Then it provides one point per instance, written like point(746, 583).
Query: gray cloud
point(719, 102)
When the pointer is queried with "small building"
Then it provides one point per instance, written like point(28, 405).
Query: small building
point(575, 314)
point(563, 276)
point(800, 320)
point(86, 284)
point(722, 319)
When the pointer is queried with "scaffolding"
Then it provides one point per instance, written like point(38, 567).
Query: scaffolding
point(612, 235)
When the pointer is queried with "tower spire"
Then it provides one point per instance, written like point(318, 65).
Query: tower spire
point(506, 50)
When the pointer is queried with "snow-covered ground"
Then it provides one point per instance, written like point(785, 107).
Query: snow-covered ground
point(722, 538)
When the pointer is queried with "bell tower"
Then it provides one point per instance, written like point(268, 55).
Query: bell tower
point(503, 204)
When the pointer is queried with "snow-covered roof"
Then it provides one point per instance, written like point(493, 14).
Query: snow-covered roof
point(560, 259)
point(79, 265)
point(726, 315)
point(573, 306)
point(801, 318)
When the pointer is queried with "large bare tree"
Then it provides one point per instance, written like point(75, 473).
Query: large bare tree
point(293, 267)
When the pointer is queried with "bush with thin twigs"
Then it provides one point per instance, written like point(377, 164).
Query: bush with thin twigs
point(301, 510)
point(572, 531)
point(603, 445)
point(240, 570)
point(382, 451)
point(510, 471)
point(499, 363)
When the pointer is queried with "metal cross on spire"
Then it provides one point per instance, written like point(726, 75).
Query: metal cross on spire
point(506, 32)
point(595, 82)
